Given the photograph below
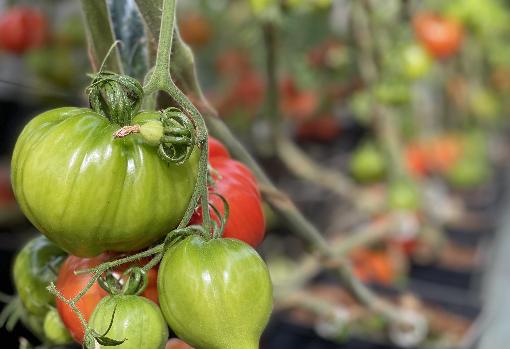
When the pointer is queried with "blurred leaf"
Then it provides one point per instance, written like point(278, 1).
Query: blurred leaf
point(129, 29)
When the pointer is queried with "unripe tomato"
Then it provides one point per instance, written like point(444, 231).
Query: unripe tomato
point(54, 329)
point(235, 182)
point(367, 164)
point(22, 28)
point(91, 193)
point(469, 172)
point(441, 36)
point(70, 284)
point(215, 293)
point(136, 320)
point(416, 61)
point(403, 195)
point(35, 266)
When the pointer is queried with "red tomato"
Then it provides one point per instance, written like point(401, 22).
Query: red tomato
point(217, 149)
point(22, 28)
point(441, 36)
point(296, 104)
point(416, 159)
point(322, 129)
point(175, 343)
point(70, 285)
point(235, 182)
point(233, 62)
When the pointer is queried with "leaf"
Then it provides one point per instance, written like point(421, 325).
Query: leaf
point(129, 29)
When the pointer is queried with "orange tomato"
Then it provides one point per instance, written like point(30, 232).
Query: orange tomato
point(441, 36)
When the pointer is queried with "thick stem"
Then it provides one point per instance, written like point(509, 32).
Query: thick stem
point(100, 35)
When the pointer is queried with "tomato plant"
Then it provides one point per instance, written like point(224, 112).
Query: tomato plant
point(235, 182)
point(70, 284)
point(22, 28)
point(35, 266)
point(441, 36)
point(135, 320)
point(215, 293)
point(141, 197)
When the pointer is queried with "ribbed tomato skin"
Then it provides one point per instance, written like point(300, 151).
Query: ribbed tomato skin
point(91, 193)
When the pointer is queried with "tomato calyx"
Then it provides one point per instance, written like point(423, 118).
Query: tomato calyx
point(116, 97)
point(135, 284)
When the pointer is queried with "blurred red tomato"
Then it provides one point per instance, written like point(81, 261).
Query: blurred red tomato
point(374, 266)
point(297, 104)
point(416, 159)
point(22, 28)
point(195, 29)
point(246, 94)
point(322, 129)
point(233, 62)
point(441, 36)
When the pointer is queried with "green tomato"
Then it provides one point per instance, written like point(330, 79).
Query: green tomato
point(35, 266)
point(392, 92)
point(91, 193)
point(136, 320)
point(469, 172)
point(403, 195)
point(55, 330)
point(367, 164)
point(215, 294)
point(416, 60)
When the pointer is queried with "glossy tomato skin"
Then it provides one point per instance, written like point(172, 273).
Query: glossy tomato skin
point(34, 268)
point(175, 343)
point(91, 193)
point(22, 28)
point(215, 294)
point(235, 182)
point(70, 285)
point(441, 36)
point(137, 320)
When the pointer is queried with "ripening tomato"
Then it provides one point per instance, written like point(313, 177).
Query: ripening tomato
point(70, 285)
point(416, 159)
point(215, 293)
point(235, 182)
point(34, 268)
point(91, 193)
point(321, 129)
point(441, 36)
point(175, 343)
point(403, 194)
point(136, 320)
point(295, 103)
point(195, 29)
point(22, 28)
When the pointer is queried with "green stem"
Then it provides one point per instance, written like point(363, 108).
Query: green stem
point(161, 80)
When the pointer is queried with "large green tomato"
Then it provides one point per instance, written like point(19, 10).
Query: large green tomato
point(215, 294)
point(55, 330)
point(35, 266)
point(91, 193)
point(136, 320)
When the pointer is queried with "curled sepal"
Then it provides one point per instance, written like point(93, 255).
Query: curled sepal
point(117, 97)
point(110, 283)
point(136, 281)
point(218, 229)
point(92, 336)
point(179, 137)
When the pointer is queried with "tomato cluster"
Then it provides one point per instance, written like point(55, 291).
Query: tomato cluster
point(200, 282)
